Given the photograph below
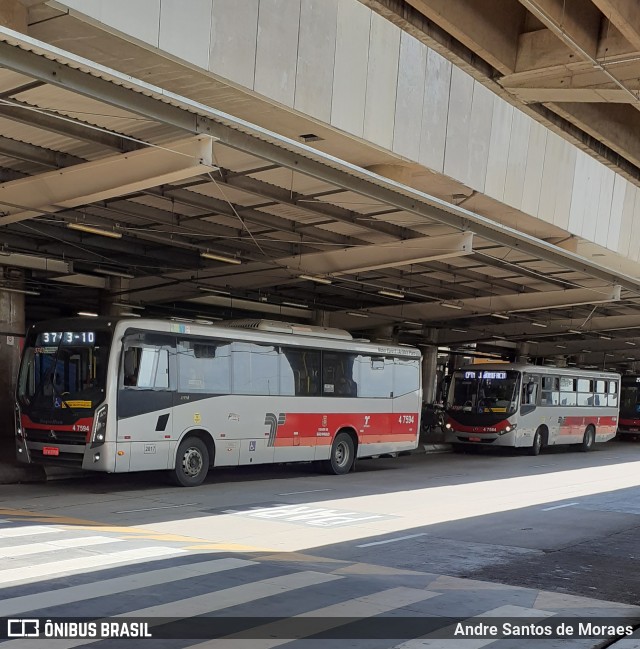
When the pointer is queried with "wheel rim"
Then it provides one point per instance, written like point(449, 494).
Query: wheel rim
point(192, 462)
point(341, 454)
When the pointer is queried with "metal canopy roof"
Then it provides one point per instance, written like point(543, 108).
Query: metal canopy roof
point(103, 174)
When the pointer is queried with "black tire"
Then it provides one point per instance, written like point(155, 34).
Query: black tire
point(192, 463)
point(342, 455)
point(538, 442)
point(588, 440)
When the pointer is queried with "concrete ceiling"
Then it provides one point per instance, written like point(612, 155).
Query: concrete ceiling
point(247, 223)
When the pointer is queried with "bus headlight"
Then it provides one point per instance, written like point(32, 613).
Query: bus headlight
point(99, 427)
point(447, 426)
point(509, 428)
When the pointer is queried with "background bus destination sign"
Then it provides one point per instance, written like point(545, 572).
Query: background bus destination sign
point(68, 337)
point(485, 375)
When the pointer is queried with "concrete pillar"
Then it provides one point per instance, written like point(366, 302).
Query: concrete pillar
point(12, 330)
point(522, 353)
point(429, 373)
point(321, 318)
point(13, 14)
point(386, 333)
point(111, 295)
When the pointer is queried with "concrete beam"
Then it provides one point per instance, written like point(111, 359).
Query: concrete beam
point(625, 15)
point(101, 179)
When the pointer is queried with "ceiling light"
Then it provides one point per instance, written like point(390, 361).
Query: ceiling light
point(315, 278)
point(206, 289)
point(22, 291)
point(629, 342)
point(502, 316)
point(460, 331)
point(605, 337)
point(130, 314)
point(126, 305)
point(539, 324)
point(451, 305)
point(412, 323)
point(574, 331)
point(113, 273)
point(88, 314)
point(390, 293)
point(223, 258)
point(609, 354)
point(561, 346)
point(498, 337)
point(297, 305)
point(83, 227)
point(355, 314)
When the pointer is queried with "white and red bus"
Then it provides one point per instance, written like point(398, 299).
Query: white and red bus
point(629, 423)
point(531, 406)
point(120, 395)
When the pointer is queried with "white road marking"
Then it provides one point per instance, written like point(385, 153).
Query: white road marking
point(360, 607)
point(83, 564)
point(52, 546)
point(397, 538)
point(27, 530)
point(201, 604)
point(107, 587)
point(151, 509)
point(309, 491)
point(548, 509)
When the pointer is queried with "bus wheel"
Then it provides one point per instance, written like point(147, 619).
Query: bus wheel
point(536, 447)
point(342, 455)
point(192, 463)
point(589, 439)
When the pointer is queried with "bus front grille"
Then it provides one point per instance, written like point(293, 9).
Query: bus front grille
point(58, 437)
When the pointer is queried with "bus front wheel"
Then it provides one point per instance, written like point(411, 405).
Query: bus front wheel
point(589, 439)
point(192, 463)
point(342, 455)
point(538, 440)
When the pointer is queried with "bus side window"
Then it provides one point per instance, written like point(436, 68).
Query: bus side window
point(530, 393)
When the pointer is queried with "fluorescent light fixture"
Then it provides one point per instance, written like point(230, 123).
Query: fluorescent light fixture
point(561, 346)
point(498, 337)
point(460, 331)
point(113, 273)
point(609, 354)
point(130, 314)
point(91, 229)
point(88, 314)
point(451, 305)
point(126, 305)
point(390, 293)
point(532, 342)
point(605, 337)
point(217, 291)
point(574, 331)
point(355, 314)
point(630, 342)
point(21, 291)
point(315, 278)
point(297, 305)
point(539, 324)
point(223, 258)
point(411, 322)
point(502, 316)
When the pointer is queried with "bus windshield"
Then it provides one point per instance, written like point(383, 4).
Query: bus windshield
point(64, 370)
point(484, 392)
point(630, 400)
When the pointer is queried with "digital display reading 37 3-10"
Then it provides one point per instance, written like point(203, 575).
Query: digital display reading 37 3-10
point(66, 337)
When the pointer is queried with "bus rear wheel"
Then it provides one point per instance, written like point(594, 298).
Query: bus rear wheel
point(342, 455)
point(589, 439)
point(192, 463)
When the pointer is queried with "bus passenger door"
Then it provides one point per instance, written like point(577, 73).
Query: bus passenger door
point(145, 402)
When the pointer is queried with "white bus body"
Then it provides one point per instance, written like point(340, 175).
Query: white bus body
point(531, 406)
point(132, 393)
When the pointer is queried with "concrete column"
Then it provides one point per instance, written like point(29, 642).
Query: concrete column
point(13, 14)
point(385, 333)
point(12, 330)
point(321, 318)
point(111, 295)
point(522, 352)
point(429, 373)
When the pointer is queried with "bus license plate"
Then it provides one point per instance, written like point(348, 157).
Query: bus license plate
point(474, 439)
point(50, 450)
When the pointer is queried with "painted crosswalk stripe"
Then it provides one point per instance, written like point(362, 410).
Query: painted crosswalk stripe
point(82, 564)
point(116, 585)
point(360, 607)
point(202, 604)
point(471, 643)
point(55, 546)
point(27, 530)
